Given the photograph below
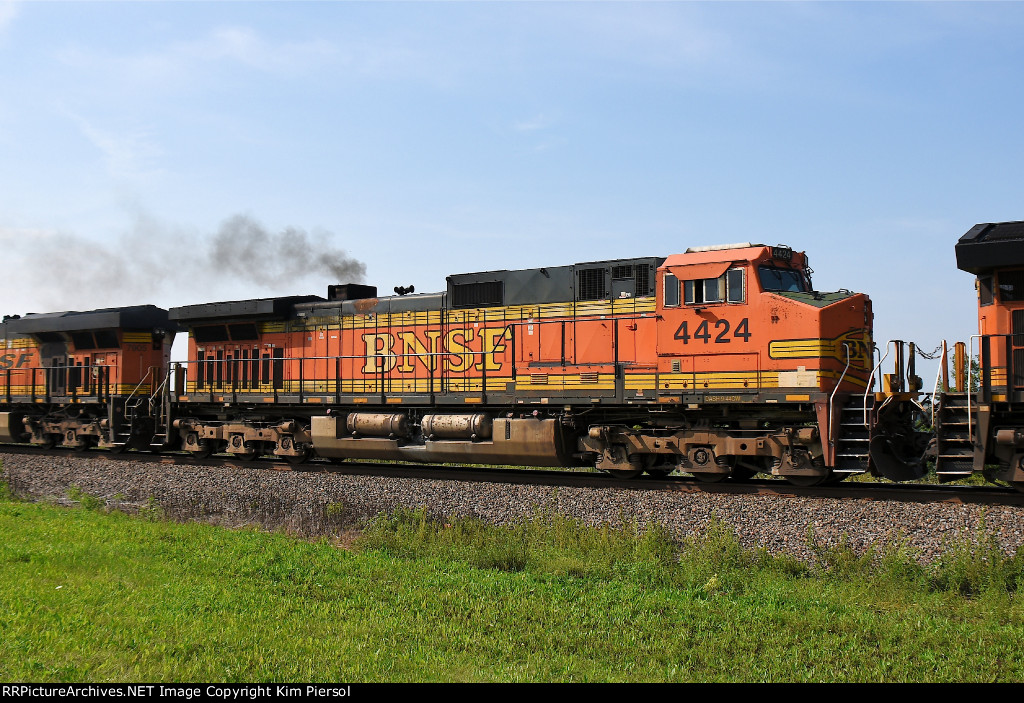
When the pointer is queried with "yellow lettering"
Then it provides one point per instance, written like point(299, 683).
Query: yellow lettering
point(493, 338)
point(378, 345)
point(459, 349)
point(412, 346)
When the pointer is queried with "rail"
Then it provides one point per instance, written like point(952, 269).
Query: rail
point(871, 380)
point(831, 398)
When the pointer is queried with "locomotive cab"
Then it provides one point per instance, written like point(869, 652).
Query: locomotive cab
point(742, 335)
point(994, 252)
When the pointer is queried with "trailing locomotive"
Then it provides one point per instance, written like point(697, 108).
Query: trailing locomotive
point(82, 379)
point(720, 362)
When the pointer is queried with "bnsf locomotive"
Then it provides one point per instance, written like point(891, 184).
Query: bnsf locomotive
point(720, 362)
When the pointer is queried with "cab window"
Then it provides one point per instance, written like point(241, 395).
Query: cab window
point(783, 280)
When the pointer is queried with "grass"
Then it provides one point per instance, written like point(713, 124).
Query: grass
point(87, 594)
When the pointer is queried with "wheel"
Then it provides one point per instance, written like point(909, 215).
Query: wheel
point(252, 454)
point(710, 478)
point(625, 473)
point(302, 457)
point(657, 467)
point(809, 481)
point(743, 473)
point(204, 451)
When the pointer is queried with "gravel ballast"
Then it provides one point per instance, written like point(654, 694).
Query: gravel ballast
point(316, 504)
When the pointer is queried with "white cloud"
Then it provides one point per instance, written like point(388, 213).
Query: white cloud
point(533, 124)
point(8, 10)
point(127, 154)
point(186, 63)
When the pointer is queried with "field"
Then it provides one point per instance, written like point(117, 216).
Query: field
point(92, 595)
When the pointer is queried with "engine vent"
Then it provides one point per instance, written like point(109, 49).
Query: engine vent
point(478, 295)
point(591, 285)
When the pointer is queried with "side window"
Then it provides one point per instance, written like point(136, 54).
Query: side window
point(671, 291)
point(713, 290)
point(693, 292)
point(734, 280)
point(729, 287)
point(985, 290)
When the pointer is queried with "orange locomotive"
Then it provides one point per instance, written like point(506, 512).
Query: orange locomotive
point(82, 379)
point(721, 361)
point(981, 428)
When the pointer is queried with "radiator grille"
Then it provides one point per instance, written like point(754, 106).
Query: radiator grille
point(643, 281)
point(478, 295)
point(592, 284)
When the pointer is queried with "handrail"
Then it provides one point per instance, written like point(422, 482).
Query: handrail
point(938, 375)
point(846, 346)
point(871, 379)
point(132, 394)
point(970, 355)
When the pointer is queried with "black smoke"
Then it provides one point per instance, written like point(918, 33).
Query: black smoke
point(245, 249)
point(164, 264)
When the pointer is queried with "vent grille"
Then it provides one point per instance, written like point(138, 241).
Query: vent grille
point(643, 281)
point(677, 366)
point(622, 273)
point(478, 295)
point(539, 379)
point(1018, 368)
point(1018, 328)
point(592, 284)
point(589, 377)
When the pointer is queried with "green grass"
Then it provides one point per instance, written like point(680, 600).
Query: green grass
point(92, 595)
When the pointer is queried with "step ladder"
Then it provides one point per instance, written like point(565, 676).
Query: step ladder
point(953, 431)
point(854, 435)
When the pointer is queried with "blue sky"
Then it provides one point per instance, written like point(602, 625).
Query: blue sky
point(433, 138)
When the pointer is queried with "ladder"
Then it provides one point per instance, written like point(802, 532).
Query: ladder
point(854, 435)
point(953, 430)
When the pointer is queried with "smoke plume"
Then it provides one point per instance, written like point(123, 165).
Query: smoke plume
point(245, 249)
point(164, 264)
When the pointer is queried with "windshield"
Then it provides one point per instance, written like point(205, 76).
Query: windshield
point(789, 280)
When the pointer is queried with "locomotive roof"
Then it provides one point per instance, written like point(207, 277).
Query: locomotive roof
point(990, 246)
point(136, 317)
point(257, 308)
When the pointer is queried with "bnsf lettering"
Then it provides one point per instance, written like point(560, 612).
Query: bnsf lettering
point(458, 350)
point(7, 361)
point(720, 332)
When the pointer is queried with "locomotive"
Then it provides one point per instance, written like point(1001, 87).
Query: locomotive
point(721, 362)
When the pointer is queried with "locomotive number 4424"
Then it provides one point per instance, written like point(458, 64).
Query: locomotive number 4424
point(720, 332)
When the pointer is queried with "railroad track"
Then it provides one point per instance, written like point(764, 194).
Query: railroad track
point(920, 493)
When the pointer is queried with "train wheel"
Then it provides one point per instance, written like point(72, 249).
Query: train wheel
point(304, 454)
point(204, 451)
point(706, 477)
point(809, 481)
point(658, 468)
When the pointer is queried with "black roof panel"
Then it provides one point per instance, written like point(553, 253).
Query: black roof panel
point(137, 317)
point(255, 309)
point(990, 246)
